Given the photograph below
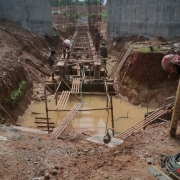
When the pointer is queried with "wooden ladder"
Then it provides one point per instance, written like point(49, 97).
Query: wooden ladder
point(42, 123)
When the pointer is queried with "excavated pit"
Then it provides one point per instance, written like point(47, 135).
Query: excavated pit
point(144, 79)
point(18, 45)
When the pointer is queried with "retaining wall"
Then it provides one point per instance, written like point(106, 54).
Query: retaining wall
point(143, 17)
point(31, 14)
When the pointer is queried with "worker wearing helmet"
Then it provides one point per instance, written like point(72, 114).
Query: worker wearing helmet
point(171, 63)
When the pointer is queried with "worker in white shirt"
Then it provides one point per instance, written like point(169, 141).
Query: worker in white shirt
point(66, 48)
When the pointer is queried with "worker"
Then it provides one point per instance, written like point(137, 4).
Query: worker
point(97, 40)
point(104, 52)
point(171, 63)
point(66, 48)
point(51, 60)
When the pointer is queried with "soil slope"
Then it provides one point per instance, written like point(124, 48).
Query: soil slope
point(18, 47)
point(142, 77)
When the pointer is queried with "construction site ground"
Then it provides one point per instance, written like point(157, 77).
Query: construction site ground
point(25, 155)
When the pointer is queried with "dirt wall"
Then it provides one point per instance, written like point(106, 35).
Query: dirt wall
point(145, 79)
point(16, 45)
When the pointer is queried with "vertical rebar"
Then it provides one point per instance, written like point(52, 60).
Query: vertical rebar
point(56, 94)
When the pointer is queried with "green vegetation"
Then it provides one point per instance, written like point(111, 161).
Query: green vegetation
point(91, 15)
point(147, 49)
point(16, 95)
point(71, 16)
point(56, 12)
point(93, 2)
point(103, 14)
point(56, 3)
point(79, 15)
point(65, 14)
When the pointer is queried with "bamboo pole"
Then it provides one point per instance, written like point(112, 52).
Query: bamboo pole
point(41, 81)
point(140, 125)
point(144, 122)
point(176, 113)
point(96, 109)
point(55, 94)
point(46, 107)
point(112, 117)
point(14, 123)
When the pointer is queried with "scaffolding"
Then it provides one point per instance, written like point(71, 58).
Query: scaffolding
point(68, 16)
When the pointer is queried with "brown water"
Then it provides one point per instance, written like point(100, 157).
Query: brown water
point(125, 114)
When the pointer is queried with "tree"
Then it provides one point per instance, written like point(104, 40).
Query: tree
point(94, 2)
point(55, 3)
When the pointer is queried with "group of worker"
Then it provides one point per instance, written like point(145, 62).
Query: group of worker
point(170, 63)
point(66, 46)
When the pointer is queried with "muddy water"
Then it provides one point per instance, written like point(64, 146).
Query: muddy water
point(125, 114)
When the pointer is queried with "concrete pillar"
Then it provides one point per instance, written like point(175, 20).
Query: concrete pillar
point(31, 14)
point(143, 17)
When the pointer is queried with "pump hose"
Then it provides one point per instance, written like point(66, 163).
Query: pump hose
point(173, 164)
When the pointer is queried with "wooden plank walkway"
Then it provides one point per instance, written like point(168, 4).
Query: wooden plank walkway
point(75, 85)
point(61, 127)
point(62, 100)
point(142, 124)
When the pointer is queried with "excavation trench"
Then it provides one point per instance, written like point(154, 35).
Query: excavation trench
point(136, 88)
point(142, 81)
